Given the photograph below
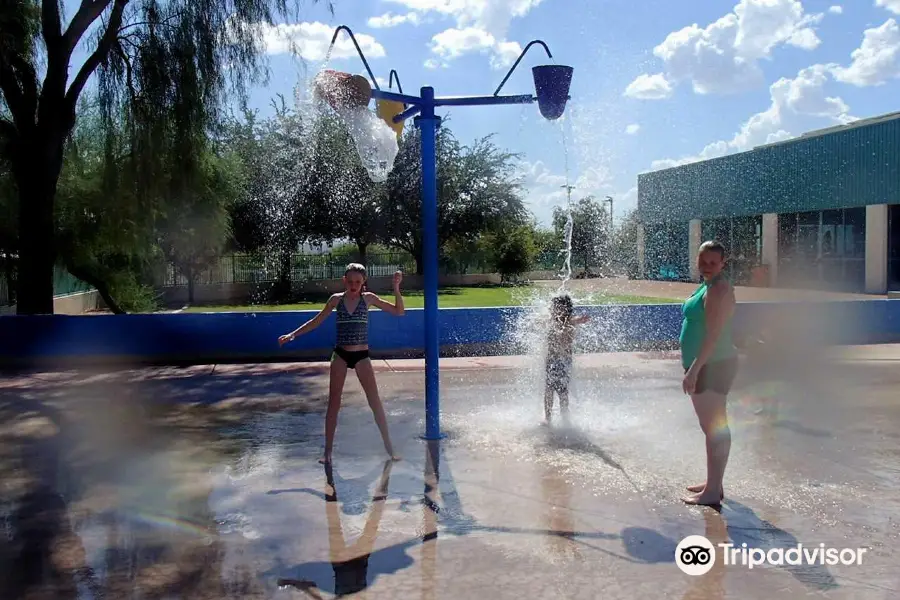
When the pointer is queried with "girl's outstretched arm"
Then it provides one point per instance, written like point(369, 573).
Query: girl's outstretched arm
point(312, 323)
point(396, 308)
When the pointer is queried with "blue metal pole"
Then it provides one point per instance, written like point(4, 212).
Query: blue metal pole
point(428, 124)
point(484, 100)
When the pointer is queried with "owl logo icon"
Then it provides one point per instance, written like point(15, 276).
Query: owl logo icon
point(695, 555)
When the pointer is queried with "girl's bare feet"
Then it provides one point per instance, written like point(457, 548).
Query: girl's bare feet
point(325, 460)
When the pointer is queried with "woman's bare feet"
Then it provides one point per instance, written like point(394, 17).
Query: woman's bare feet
point(700, 487)
point(704, 498)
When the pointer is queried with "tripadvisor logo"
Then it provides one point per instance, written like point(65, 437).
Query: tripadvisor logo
point(696, 555)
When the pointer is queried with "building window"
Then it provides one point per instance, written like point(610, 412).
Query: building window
point(742, 238)
point(894, 247)
point(666, 252)
point(823, 249)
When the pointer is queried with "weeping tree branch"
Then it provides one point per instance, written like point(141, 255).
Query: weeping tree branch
point(18, 81)
point(51, 24)
point(129, 78)
point(99, 55)
point(7, 130)
point(57, 57)
point(87, 276)
point(163, 23)
point(162, 81)
point(87, 13)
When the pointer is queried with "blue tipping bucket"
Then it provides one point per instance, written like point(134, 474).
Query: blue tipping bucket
point(551, 86)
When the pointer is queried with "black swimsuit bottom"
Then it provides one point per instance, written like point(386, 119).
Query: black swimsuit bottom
point(352, 358)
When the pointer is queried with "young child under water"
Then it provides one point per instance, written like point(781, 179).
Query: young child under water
point(352, 348)
point(560, 351)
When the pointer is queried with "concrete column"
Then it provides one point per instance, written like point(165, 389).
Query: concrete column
point(641, 252)
point(770, 245)
point(694, 241)
point(877, 249)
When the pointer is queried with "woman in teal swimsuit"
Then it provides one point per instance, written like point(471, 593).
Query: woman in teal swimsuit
point(710, 361)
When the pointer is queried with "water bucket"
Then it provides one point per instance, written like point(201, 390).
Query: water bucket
point(343, 90)
point(387, 110)
point(551, 86)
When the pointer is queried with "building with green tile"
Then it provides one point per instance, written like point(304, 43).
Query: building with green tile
point(821, 210)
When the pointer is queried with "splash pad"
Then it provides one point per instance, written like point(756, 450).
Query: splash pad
point(551, 83)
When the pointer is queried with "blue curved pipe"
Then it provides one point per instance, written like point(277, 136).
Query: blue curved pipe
point(358, 51)
point(516, 64)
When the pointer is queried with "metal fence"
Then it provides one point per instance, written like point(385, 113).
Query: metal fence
point(253, 268)
point(256, 268)
point(64, 283)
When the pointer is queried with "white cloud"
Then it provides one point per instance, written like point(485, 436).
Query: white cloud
point(805, 95)
point(876, 60)
point(453, 43)
point(311, 41)
point(489, 18)
point(494, 16)
point(802, 96)
point(723, 57)
point(891, 5)
point(537, 173)
point(836, 9)
point(625, 202)
point(632, 129)
point(505, 54)
point(649, 87)
point(391, 20)
point(544, 188)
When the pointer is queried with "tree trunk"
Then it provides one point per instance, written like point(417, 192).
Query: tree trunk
point(285, 275)
point(419, 256)
point(102, 288)
point(361, 250)
point(190, 284)
point(37, 164)
point(10, 274)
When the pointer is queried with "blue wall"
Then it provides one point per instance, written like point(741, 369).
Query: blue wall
point(223, 337)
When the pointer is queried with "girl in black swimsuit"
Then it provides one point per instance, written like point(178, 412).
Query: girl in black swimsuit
point(352, 348)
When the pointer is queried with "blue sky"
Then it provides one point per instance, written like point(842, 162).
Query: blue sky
point(657, 82)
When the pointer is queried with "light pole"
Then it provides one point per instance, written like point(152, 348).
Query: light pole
point(551, 93)
point(568, 189)
point(610, 200)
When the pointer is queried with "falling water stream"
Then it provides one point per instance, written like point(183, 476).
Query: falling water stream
point(570, 225)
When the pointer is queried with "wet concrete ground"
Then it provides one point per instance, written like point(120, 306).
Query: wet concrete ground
point(203, 482)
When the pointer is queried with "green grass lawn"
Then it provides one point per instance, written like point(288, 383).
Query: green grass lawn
point(452, 297)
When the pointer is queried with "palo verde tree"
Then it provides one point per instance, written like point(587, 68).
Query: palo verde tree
point(168, 65)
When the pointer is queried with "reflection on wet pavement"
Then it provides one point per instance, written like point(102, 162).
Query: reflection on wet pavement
point(201, 483)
